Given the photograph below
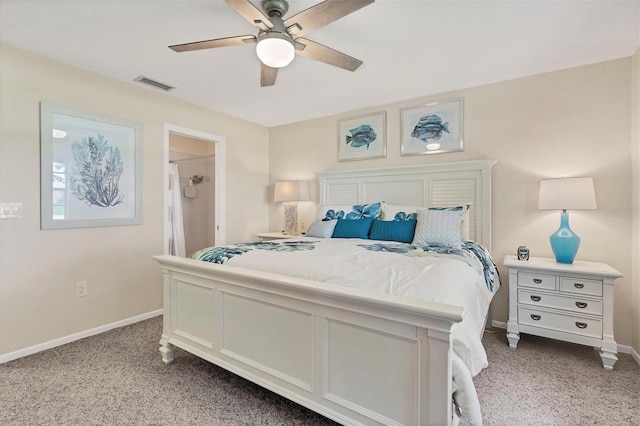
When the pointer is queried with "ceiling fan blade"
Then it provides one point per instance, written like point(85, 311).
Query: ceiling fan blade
point(268, 76)
point(327, 55)
point(217, 42)
point(323, 14)
point(252, 14)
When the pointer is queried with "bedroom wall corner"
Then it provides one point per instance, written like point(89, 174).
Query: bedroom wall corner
point(635, 196)
point(39, 269)
point(571, 122)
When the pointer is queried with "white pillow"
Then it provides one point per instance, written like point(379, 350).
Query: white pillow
point(394, 212)
point(321, 229)
point(441, 226)
point(397, 212)
point(465, 224)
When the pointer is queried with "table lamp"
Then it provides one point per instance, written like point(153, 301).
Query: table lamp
point(566, 194)
point(290, 192)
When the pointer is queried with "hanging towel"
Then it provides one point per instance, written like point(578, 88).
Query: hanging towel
point(176, 246)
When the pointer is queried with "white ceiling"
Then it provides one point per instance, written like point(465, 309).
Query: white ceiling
point(410, 48)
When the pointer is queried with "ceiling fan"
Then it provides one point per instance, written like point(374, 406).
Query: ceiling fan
point(278, 40)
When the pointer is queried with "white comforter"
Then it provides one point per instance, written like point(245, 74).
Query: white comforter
point(409, 272)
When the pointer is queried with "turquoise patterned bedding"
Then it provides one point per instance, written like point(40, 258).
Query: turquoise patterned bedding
point(473, 254)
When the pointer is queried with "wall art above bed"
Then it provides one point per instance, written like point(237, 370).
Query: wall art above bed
point(362, 137)
point(91, 169)
point(432, 128)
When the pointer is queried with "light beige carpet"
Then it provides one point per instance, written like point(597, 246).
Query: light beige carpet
point(118, 378)
point(548, 382)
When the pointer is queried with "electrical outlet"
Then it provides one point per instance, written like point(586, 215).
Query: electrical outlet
point(82, 289)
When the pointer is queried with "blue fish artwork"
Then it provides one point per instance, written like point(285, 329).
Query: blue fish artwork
point(430, 127)
point(362, 135)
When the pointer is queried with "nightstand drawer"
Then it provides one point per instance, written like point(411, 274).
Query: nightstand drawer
point(569, 303)
point(526, 279)
point(560, 322)
point(581, 286)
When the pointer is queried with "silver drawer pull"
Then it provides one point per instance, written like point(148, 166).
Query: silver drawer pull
point(537, 280)
point(581, 305)
point(537, 318)
point(536, 298)
point(578, 285)
point(581, 324)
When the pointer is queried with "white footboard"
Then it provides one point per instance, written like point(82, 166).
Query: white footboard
point(350, 355)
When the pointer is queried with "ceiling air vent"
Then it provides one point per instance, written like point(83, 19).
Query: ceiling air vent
point(153, 83)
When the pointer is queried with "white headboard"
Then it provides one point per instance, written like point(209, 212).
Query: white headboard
point(428, 185)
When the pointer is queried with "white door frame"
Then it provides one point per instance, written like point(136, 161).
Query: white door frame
point(220, 172)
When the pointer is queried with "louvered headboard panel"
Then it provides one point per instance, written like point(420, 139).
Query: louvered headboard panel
point(430, 185)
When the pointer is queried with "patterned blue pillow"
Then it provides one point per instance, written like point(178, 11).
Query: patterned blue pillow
point(359, 211)
point(394, 230)
point(403, 216)
point(352, 228)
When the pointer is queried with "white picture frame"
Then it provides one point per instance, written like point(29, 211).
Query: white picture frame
point(433, 128)
point(91, 169)
point(363, 137)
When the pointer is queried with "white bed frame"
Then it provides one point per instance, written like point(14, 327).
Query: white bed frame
point(350, 355)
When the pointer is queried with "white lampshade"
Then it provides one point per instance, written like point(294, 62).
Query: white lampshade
point(567, 194)
point(297, 190)
point(275, 50)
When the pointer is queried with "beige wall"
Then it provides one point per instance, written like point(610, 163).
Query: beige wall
point(39, 269)
point(573, 122)
point(635, 158)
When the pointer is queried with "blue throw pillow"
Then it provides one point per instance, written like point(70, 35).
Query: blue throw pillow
point(394, 230)
point(352, 228)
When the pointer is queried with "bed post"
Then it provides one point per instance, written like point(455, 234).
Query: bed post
point(435, 381)
point(166, 348)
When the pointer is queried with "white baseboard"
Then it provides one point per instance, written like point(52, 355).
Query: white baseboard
point(623, 349)
point(499, 324)
point(76, 336)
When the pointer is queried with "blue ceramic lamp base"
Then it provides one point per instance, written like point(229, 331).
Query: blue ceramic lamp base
point(564, 242)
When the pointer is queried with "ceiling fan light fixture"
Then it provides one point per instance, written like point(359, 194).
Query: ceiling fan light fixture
point(275, 49)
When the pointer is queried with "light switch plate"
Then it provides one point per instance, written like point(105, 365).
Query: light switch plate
point(10, 210)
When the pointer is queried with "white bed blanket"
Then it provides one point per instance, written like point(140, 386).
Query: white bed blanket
point(387, 267)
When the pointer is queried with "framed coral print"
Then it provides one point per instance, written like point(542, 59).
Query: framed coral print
point(362, 137)
point(432, 128)
point(91, 169)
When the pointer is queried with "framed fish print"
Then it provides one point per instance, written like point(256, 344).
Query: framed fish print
point(362, 137)
point(91, 169)
point(432, 128)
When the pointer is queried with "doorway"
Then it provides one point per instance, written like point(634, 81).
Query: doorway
point(199, 158)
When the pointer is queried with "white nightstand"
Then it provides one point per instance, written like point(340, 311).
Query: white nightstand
point(572, 302)
point(268, 236)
